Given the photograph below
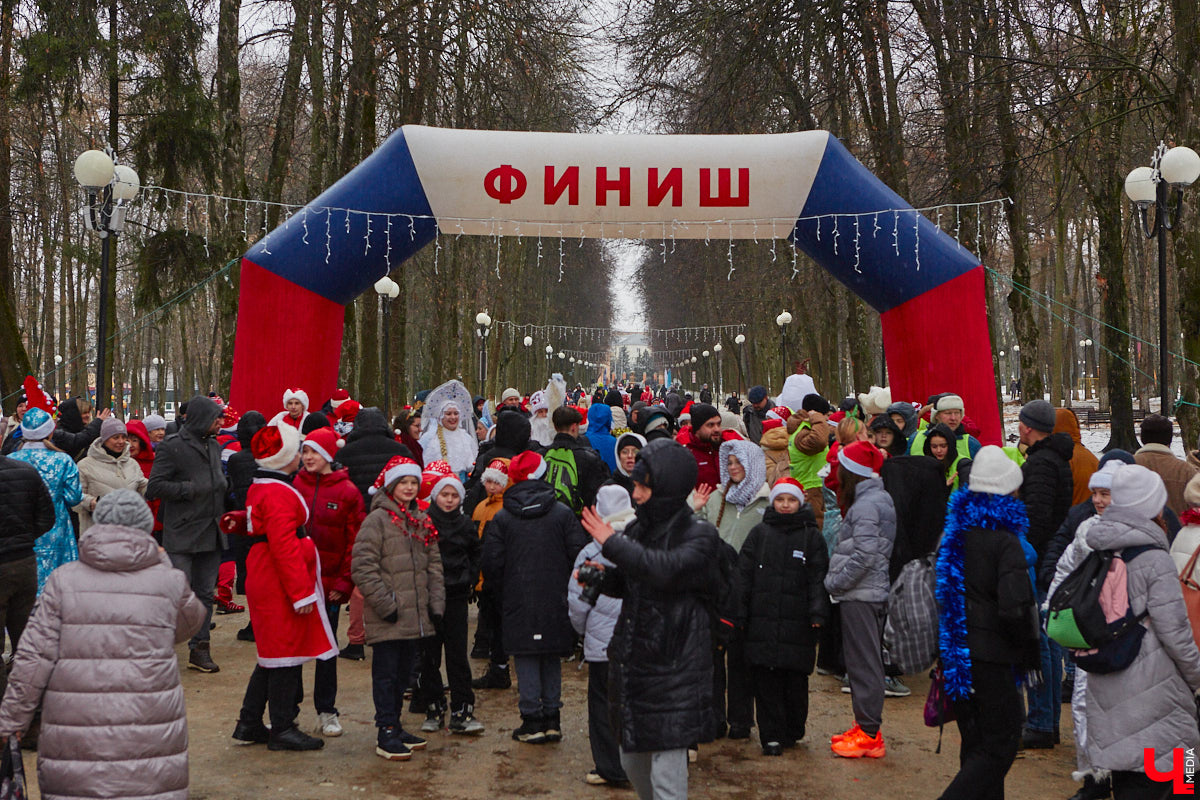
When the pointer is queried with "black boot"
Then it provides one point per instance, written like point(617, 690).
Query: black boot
point(1093, 789)
point(353, 652)
point(553, 727)
point(246, 634)
point(251, 732)
point(201, 660)
point(294, 739)
point(495, 678)
point(532, 730)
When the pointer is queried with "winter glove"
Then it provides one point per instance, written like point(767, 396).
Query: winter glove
point(392, 618)
point(437, 622)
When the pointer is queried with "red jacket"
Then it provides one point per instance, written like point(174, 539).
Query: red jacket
point(281, 577)
point(706, 456)
point(335, 510)
point(145, 460)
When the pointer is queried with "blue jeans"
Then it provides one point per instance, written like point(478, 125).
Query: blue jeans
point(1045, 701)
point(539, 684)
point(391, 666)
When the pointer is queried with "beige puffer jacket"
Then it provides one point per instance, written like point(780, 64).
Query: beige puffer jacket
point(774, 444)
point(396, 573)
point(99, 654)
point(100, 473)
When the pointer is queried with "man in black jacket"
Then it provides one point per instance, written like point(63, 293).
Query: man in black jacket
point(573, 467)
point(512, 437)
point(1046, 488)
point(660, 655)
point(188, 477)
point(26, 512)
point(369, 447)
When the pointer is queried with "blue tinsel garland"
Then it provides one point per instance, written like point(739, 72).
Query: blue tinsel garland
point(966, 510)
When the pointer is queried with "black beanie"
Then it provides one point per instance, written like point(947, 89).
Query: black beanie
point(814, 402)
point(702, 413)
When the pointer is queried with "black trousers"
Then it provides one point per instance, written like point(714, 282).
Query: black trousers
point(733, 692)
point(279, 689)
point(829, 653)
point(391, 668)
point(325, 680)
point(453, 640)
point(18, 593)
point(990, 725)
point(782, 699)
point(1136, 786)
point(490, 611)
point(605, 751)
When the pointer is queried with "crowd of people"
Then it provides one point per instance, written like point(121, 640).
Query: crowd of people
point(703, 560)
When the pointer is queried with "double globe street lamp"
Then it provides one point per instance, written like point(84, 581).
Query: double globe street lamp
point(1177, 168)
point(109, 188)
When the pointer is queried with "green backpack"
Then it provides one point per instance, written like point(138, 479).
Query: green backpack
point(563, 474)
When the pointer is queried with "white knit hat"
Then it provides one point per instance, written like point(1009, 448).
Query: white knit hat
point(613, 506)
point(510, 392)
point(1139, 491)
point(1103, 477)
point(993, 472)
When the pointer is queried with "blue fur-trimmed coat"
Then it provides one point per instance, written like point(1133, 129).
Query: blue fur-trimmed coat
point(987, 609)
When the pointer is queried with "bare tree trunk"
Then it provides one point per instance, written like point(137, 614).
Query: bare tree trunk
point(14, 366)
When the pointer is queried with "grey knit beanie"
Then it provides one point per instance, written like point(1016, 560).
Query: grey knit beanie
point(124, 507)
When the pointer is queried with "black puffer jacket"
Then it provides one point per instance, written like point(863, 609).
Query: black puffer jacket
point(461, 551)
point(1001, 620)
point(26, 510)
point(189, 478)
point(528, 552)
point(1046, 488)
point(660, 656)
point(240, 466)
point(781, 590)
point(368, 449)
point(512, 437)
point(919, 493)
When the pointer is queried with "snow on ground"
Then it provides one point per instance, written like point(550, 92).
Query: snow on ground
point(1094, 438)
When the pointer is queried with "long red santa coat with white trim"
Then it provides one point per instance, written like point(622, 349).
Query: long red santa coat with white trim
point(283, 575)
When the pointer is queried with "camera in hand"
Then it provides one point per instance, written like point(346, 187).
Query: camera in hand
point(590, 576)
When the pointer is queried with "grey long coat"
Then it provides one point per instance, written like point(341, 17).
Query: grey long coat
point(188, 477)
point(99, 654)
point(1151, 703)
point(858, 568)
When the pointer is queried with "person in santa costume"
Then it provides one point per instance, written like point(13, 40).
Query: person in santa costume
point(335, 510)
point(339, 397)
point(283, 589)
point(295, 408)
point(397, 566)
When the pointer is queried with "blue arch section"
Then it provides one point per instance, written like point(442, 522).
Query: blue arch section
point(899, 256)
point(329, 258)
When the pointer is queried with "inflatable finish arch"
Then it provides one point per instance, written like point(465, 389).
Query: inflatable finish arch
point(804, 186)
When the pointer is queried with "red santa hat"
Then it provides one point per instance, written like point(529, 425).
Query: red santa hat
point(787, 485)
point(770, 423)
point(339, 396)
point(396, 468)
point(230, 418)
point(295, 394)
point(526, 466)
point(36, 397)
point(347, 410)
point(780, 412)
point(437, 476)
point(325, 443)
point(861, 458)
point(497, 471)
point(274, 446)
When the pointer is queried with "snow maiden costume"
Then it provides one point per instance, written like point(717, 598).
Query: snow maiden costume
point(457, 447)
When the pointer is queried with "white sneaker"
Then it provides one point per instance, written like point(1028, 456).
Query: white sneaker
point(328, 724)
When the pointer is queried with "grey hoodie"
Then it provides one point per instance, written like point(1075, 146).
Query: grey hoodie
point(1151, 703)
point(99, 655)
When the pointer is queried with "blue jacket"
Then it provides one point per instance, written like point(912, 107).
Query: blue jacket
point(599, 433)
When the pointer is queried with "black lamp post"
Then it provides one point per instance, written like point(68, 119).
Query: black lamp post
point(1147, 186)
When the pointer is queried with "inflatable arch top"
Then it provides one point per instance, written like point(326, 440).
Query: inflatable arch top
point(805, 187)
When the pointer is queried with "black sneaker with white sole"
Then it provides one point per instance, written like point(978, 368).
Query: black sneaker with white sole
point(389, 745)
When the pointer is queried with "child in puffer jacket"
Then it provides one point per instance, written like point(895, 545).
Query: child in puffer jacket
point(461, 550)
point(782, 604)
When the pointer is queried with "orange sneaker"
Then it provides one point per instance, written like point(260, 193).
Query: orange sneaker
point(857, 744)
point(837, 737)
